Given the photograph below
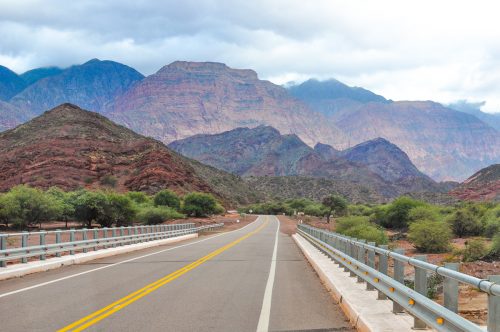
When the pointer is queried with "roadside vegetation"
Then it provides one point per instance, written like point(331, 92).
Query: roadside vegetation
point(24, 207)
point(429, 228)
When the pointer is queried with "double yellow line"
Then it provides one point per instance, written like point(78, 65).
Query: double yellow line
point(100, 314)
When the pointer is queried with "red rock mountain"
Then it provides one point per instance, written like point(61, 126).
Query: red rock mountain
point(482, 186)
point(69, 147)
point(188, 98)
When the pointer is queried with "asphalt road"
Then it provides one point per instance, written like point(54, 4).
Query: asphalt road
point(227, 282)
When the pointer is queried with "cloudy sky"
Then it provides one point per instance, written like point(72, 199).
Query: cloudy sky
point(438, 50)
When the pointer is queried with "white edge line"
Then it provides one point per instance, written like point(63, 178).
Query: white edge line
point(265, 313)
point(121, 262)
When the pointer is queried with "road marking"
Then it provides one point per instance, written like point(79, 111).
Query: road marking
point(265, 312)
point(99, 315)
point(119, 263)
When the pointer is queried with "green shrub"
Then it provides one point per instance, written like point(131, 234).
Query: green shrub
point(344, 223)
point(474, 250)
point(201, 205)
point(495, 247)
point(157, 215)
point(430, 236)
point(90, 207)
point(317, 210)
point(361, 228)
point(109, 180)
point(167, 198)
point(397, 213)
point(138, 197)
point(491, 221)
point(119, 210)
point(465, 223)
point(424, 212)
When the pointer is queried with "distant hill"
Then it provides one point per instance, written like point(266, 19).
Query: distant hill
point(484, 185)
point(492, 120)
point(10, 116)
point(187, 98)
point(285, 187)
point(330, 96)
point(34, 75)
point(91, 85)
point(263, 151)
point(69, 147)
point(10, 83)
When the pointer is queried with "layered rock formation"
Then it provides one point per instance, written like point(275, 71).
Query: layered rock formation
point(482, 186)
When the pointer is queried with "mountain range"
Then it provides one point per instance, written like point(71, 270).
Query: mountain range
point(263, 151)
point(70, 148)
point(188, 98)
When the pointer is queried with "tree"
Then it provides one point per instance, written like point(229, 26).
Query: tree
point(119, 210)
point(90, 206)
point(167, 198)
point(138, 197)
point(65, 202)
point(397, 213)
point(335, 204)
point(464, 222)
point(30, 206)
point(9, 209)
point(201, 205)
point(430, 236)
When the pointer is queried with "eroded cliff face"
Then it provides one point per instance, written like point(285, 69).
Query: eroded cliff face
point(482, 186)
point(188, 98)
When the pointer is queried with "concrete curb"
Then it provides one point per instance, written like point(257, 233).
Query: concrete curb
point(19, 270)
point(361, 307)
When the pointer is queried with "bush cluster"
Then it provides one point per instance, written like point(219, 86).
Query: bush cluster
point(24, 207)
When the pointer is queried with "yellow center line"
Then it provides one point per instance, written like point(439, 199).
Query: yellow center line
point(100, 314)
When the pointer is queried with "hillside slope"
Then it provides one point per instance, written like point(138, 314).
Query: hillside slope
point(69, 147)
point(484, 185)
point(10, 83)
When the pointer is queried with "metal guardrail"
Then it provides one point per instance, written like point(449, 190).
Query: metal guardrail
point(369, 263)
point(79, 241)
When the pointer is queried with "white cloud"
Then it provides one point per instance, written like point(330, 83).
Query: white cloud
point(440, 50)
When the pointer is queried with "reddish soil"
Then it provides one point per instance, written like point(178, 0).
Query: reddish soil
point(288, 225)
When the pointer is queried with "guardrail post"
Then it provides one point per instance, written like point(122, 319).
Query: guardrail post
point(494, 307)
point(96, 237)
point(3, 246)
point(58, 240)
point(113, 235)
point(353, 255)
point(136, 233)
point(24, 244)
point(42, 243)
point(361, 257)
point(450, 289)
point(72, 239)
point(399, 276)
point(84, 238)
point(122, 233)
point(382, 268)
point(420, 287)
point(105, 236)
point(370, 263)
point(346, 251)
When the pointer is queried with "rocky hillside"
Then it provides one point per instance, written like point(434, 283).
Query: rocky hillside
point(188, 98)
point(10, 83)
point(286, 187)
point(69, 147)
point(91, 85)
point(482, 186)
point(263, 151)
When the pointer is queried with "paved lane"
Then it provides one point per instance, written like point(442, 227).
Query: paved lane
point(216, 284)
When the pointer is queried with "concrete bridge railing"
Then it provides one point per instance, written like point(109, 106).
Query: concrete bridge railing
point(370, 263)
